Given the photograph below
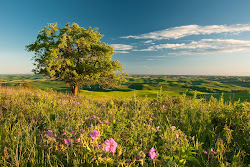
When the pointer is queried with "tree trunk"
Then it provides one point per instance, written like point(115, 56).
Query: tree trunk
point(74, 90)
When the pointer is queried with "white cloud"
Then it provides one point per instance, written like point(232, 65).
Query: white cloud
point(203, 46)
point(121, 52)
point(122, 47)
point(182, 31)
point(149, 42)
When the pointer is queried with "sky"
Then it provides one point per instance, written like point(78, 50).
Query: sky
point(156, 37)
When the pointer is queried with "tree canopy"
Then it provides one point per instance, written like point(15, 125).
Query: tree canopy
point(76, 56)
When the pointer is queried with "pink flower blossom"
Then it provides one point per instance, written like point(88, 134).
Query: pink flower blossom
point(177, 137)
point(212, 150)
point(94, 134)
point(153, 116)
point(66, 142)
point(204, 151)
point(172, 128)
point(110, 145)
point(82, 130)
point(49, 132)
point(106, 122)
point(64, 133)
point(78, 140)
point(152, 154)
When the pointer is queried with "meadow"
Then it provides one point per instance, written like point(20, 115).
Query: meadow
point(232, 88)
point(50, 128)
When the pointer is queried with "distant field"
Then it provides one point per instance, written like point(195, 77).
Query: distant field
point(232, 88)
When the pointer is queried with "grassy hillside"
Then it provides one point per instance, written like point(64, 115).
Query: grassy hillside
point(232, 88)
point(45, 128)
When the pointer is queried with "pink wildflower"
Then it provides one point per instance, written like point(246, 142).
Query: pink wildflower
point(94, 134)
point(77, 140)
point(82, 130)
point(152, 154)
point(64, 133)
point(152, 116)
point(110, 145)
point(172, 128)
point(106, 122)
point(204, 151)
point(212, 150)
point(49, 132)
point(177, 137)
point(66, 142)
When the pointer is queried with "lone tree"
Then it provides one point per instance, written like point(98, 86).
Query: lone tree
point(76, 56)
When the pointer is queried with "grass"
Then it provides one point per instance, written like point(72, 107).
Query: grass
point(148, 86)
point(35, 125)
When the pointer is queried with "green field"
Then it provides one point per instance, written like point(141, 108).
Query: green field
point(232, 88)
point(46, 128)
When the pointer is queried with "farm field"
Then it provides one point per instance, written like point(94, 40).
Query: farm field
point(46, 128)
point(232, 88)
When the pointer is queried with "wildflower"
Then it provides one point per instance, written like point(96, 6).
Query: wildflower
point(100, 122)
point(212, 150)
point(177, 137)
point(152, 154)
point(77, 140)
point(33, 120)
point(93, 116)
point(89, 125)
point(110, 145)
point(64, 133)
point(66, 142)
point(175, 119)
point(97, 118)
point(82, 130)
point(106, 122)
point(204, 151)
point(72, 131)
point(94, 134)
point(172, 128)
point(93, 159)
point(152, 115)
point(180, 121)
point(157, 128)
point(49, 132)
point(193, 138)
point(98, 146)
point(138, 157)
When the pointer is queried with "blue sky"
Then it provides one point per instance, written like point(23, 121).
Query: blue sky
point(184, 37)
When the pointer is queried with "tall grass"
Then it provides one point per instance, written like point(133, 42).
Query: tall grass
point(39, 128)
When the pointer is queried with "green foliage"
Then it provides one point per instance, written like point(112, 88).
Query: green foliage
point(76, 56)
point(206, 133)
